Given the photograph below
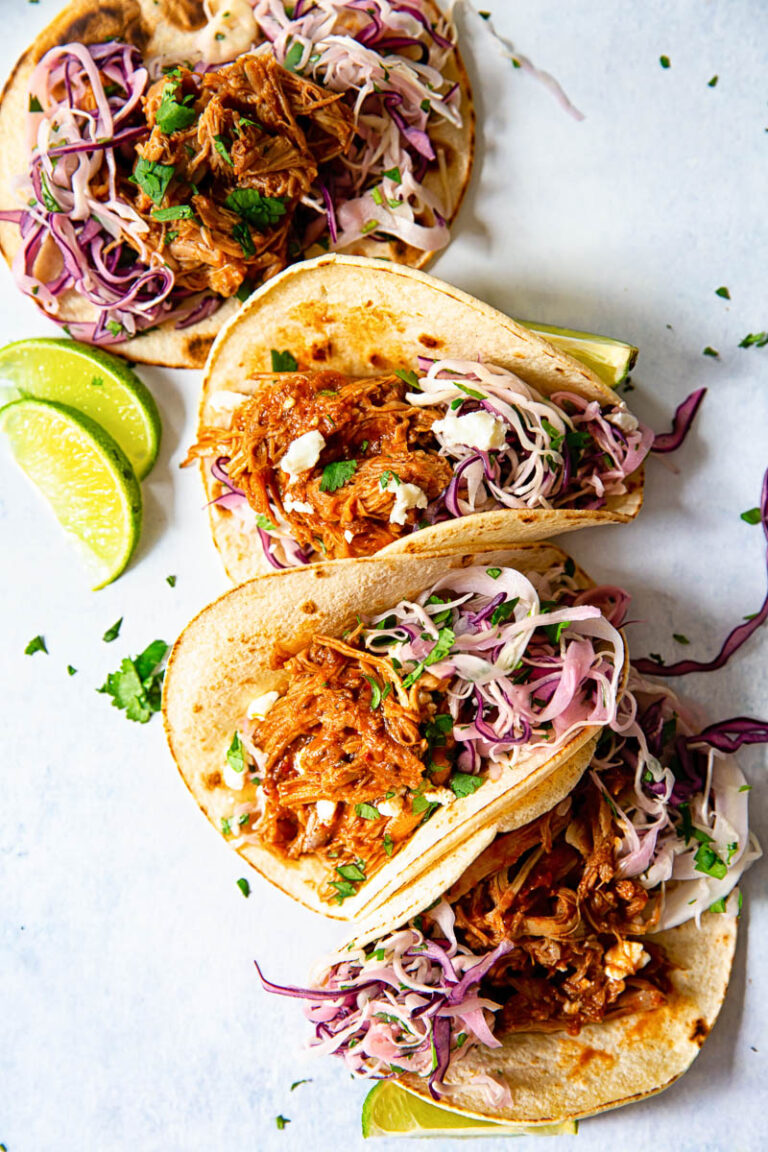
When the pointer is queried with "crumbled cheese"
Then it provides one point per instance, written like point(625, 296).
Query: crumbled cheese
point(303, 453)
point(260, 705)
point(623, 420)
point(406, 496)
point(225, 402)
point(297, 505)
point(475, 430)
point(391, 807)
point(439, 796)
point(326, 810)
point(348, 536)
point(232, 779)
point(624, 959)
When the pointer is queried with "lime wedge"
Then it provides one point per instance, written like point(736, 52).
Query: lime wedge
point(389, 1110)
point(612, 360)
point(95, 383)
point(86, 478)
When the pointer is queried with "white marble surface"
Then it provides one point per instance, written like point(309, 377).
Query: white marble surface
point(130, 1016)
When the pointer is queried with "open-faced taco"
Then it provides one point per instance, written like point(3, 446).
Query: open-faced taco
point(355, 406)
point(581, 960)
point(345, 725)
point(163, 157)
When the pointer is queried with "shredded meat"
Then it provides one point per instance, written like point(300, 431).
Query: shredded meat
point(257, 127)
point(551, 888)
point(363, 420)
point(324, 741)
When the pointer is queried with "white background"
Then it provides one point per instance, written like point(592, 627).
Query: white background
point(130, 1015)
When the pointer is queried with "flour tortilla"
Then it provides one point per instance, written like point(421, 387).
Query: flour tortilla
point(366, 317)
point(171, 28)
point(222, 661)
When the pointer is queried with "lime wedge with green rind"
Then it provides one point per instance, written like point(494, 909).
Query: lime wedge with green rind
point(389, 1110)
point(86, 478)
point(94, 382)
point(611, 360)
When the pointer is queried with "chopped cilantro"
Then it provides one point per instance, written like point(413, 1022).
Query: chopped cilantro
point(440, 650)
point(136, 686)
point(226, 826)
point(170, 236)
point(49, 200)
point(337, 474)
point(244, 886)
point(242, 234)
point(293, 57)
point(113, 632)
point(751, 516)
point(175, 212)
point(367, 811)
point(220, 145)
point(354, 872)
point(377, 195)
point(504, 611)
point(723, 292)
point(152, 178)
point(754, 339)
point(664, 61)
point(297, 1082)
point(494, 573)
point(655, 656)
point(344, 889)
point(385, 478)
point(393, 174)
point(409, 377)
point(438, 728)
point(34, 104)
point(680, 638)
point(369, 226)
point(555, 438)
point(236, 754)
point(71, 671)
point(707, 860)
point(114, 327)
point(174, 115)
point(469, 391)
point(745, 788)
point(718, 906)
point(244, 291)
point(283, 361)
point(375, 692)
point(171, 581)
point(577, 441)
point(461, 1039)
point(388, 844)
point(421, 804)
point(259, 211)
point(265, 523)
point(713, 82)
point(555, 631)
point(713, 352)
point(36, 645)
point(281, 1122)
point(463, 784)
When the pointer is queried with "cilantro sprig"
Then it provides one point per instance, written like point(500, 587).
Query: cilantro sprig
point(259, 211)
point(337, 474)
point(136, 685)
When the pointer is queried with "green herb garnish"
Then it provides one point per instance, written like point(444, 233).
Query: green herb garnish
point(265, 523)
point(136, 686)
point(389, 844)
point(723, 293)
point(337, 474)
point(494, 573)
point(707, 860)
point(259, 211)
point(409, 377)
point(171, 581)
point(367, 811)
point(718, 906)
point(283, 361)
point(751, 516)
point(113, 632)
point(504, 611)
point(713, 82)
point(281, 1122)
point(37, 644)
point(393, 174)
point(236, 754)
point(241, 233)
point(71, 671)
point(713, 352)
point(293, 57)
point(244, 886)
point(174, 115)
point(664, 61)
point(49, 200)
point(754, 340)
point(220, 145)
point(463, 784)
point(369, 226)
point(152, 178)
point(34, 104)
point(175, 212)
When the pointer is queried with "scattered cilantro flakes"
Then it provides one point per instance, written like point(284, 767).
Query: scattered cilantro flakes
point(718, 906)
point(34, 104)
point(409, 377)
point(354, 872)
point(463, 784)
point(713, 82)
point(175, 212)
point(113, 632)
point(283, 361)
point(265, 523)
point(293, 56)
point(494, 573)
point(388, 844)
point(376, 696)
point(37, 644)
point(369, 226)
point(754, 340)
point(174, 115)
point(723, 292)
point(71, 671)
point(114, 327)
point(469, 391)
point(171, 581)
point(655, 656)
point(136, 685)
point(745, 788)
point(751, 516)
point(220, 145)
point(281, 1122)
point(244, 291)
point(259, 211)
point(296, 1083)
point(226, 826)
point(49, 200)
point(707, 860)
point(680, 638)
point(153, 178)
point(708, 351)
point(337, 474)
point(393, 174)
point(664, 61)
point(367, 811)
point(236, 754)
point(244, 886)
point(503, 612)
point(242, 233)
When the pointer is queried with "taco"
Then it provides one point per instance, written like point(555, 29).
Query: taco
point(344, 725)
point(163, 157)
point(355, 407)
point(581, 960)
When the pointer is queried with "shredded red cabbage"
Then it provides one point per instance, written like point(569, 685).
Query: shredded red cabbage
point(685, 414)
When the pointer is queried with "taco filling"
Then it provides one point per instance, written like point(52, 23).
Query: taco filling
point(416, 709)
point(322, 465)
point(158, 188)
point(552, 927)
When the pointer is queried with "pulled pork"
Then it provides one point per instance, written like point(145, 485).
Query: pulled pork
point(253, 129)
point(367, 424)
point(330, 755)
point(552, 888)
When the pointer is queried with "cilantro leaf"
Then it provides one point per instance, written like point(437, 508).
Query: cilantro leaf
point(37, 644)
point(337, 474)
point(236, 754)
point(555, 631)
point(293, 57)
point(723, 293)
point(713, 82)
point(244, 886)
point(754, 340)
point(409, 377)
point(751, 516)
point(718, 906)
point(680, 638)
point(438, 728)
point(174, 115)
point(376, 696)
point(113, 632)
point(344, 889)
point(265, 523)
point(175, 212)
point(367, 811)
point(354, 872)
point(664, 61)
point(136, 686)
point(259, 211)
point(242, 234)
point(393, 174)
point(388, 844)
point(50, 202)
point(713, 352)
point(297, 1082)
point(220, 145)
point(283, 361)
point(152, 178)
point(440, 650)
point(464, 784)
point(171, 581)
point(34, 104)
point(707, 860)
point(494, 573)
point(71, 671)
point(503, 611)
point(555, 438)
point(281, 1121)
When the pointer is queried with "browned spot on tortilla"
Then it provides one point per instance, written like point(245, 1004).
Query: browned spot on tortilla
point(212, 780)
point(309, 607)
point(375, 360)
point(197, 707)
point(699, 1032)
point(588, 1055)
point(320, 572)
point(196, 349)
point(322, 351)
point(95, 24)
point(312, 315)
point(429, 341)
point(185, 14)
point(526, 518)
